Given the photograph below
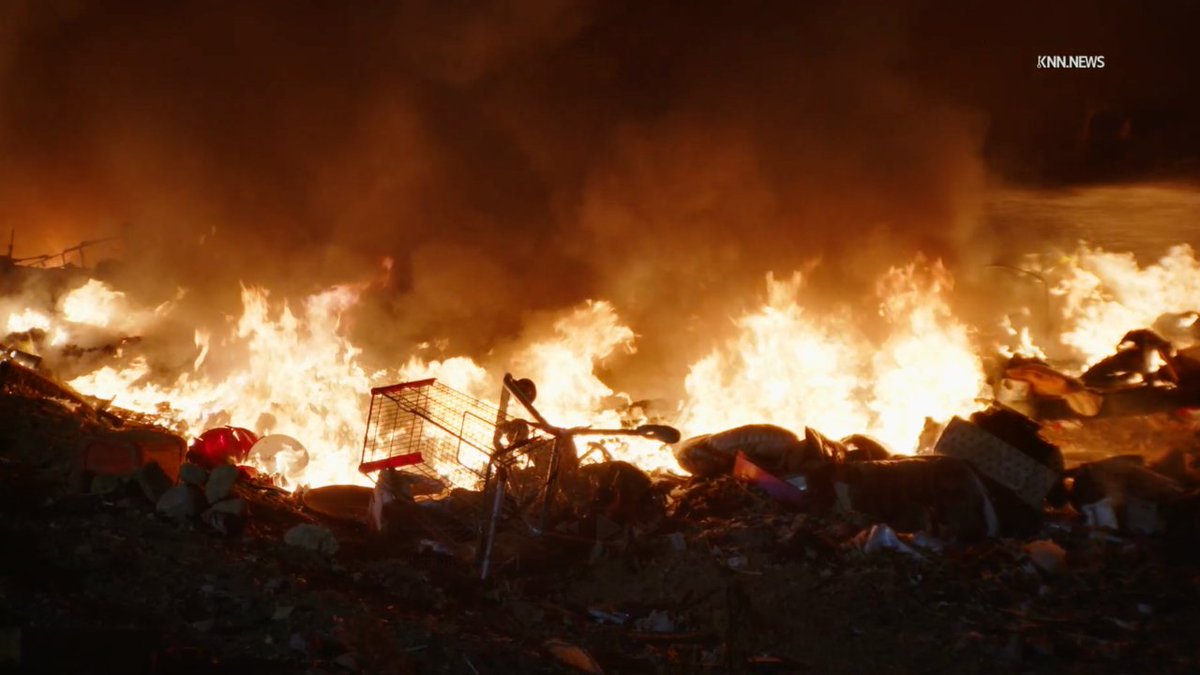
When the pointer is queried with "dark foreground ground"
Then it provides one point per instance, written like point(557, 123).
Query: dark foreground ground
point(728, 581)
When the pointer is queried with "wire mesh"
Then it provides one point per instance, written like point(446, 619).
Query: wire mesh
point(428, 427)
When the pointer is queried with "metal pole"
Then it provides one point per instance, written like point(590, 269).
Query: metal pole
point(562, 443)
point(489, 534)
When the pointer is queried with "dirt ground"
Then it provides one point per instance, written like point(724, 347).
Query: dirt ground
point(727, 581)
point(767, 592)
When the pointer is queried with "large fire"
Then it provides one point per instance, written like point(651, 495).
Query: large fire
point(793, 369)
point(289, 368)
point(1106, 294)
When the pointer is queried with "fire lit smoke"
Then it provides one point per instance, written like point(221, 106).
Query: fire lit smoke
point(513, 158)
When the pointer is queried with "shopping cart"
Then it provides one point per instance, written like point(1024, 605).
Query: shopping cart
point(431, 429)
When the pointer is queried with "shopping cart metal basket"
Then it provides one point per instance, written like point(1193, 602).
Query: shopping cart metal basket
point(428, 428)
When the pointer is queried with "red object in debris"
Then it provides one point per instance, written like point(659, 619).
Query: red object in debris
point(781, 490)
point(218, 446)
point(125, 451)
point(391, 462)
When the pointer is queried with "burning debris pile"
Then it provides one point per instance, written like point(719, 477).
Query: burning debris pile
point(235, 516)
point(987, 549)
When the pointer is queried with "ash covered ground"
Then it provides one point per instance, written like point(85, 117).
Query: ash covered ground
point(723, 579)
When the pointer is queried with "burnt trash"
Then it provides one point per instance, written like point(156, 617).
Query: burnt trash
point(939, 494)
point(863, 448)
point(1142, 356)
point(720, 497)
point(348, 503)
point(1047, 556)
point(1020, 470)
point(313, 538)
point(792, 491)
point(20, 357)
point(774, 448)
point(1181, 464)
point(193, 474)
point(285, 456)
point(1046, 382)
point(402, 504)
point(615, 491)
point(220, 483)
point(181, 502)
point(1181, 328)
point(126, 450)
point(881, 538)
point(153, 481)
point(1137, 495)
point(226, 517)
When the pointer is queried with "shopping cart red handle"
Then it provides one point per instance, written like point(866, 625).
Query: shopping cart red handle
point(390, 462)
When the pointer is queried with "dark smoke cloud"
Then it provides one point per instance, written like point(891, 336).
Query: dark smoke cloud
point(516, 157)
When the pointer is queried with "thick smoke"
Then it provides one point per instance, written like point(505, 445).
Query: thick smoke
point(513, 158)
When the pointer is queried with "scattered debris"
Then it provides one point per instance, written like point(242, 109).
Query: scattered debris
point(573, 656)
point(1124, 486)
point(153, 481)
point(180, 502)
point(607, 567)
point(1047, 556)
point(220, 483)
point(883, 538)
point(226, 517)
point(774, 448)
point(313, 538)
point(193, 474)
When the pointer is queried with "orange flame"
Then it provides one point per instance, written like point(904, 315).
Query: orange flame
point(789, 368)
point(276, 369)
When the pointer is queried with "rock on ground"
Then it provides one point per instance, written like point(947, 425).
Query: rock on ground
point(220, 483)
point(312, 537)
point(180, 502)
point(193, 474)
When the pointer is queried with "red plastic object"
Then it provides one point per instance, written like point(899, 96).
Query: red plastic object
point(391, 462)
point(220, 445)
point(779, 489)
